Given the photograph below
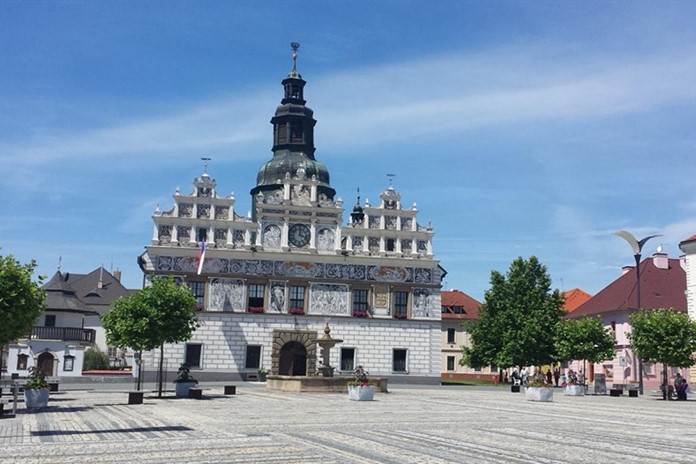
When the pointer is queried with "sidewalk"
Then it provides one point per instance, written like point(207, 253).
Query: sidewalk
point(409, 425)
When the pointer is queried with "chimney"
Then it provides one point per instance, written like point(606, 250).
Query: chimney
point(626, 269)
point(660, 260)
point(117, 274)
point(100, 284)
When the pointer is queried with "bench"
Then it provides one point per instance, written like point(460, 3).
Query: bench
point(195, 393)
point(230, 389)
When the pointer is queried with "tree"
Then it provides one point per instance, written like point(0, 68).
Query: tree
point(663, 336)
point(517, 320)
point(160, 313)
point(96, 359)
point(21, 299)
point(584, 339)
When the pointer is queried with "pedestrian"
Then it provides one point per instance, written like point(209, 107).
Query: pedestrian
point(515, 377)
point(556, 375)
point(548, 376)
point(523, 375)
point(680, 387)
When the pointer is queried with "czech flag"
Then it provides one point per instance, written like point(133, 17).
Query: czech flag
point(201, 258)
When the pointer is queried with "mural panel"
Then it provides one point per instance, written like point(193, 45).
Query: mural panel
point(226, 295)
point(329, 299)
point(277, 291)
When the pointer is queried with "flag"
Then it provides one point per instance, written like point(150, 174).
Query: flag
point(201, 258)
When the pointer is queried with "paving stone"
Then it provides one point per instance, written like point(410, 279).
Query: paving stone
point(409, 425)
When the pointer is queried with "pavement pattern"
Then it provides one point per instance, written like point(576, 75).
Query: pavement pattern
point(447, 424)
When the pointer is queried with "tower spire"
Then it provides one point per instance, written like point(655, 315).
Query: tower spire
point(294, 73)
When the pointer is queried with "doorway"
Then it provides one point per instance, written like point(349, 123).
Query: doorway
point(293, 359)
point(44, 363)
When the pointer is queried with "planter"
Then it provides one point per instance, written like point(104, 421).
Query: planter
point(539, 394)
point(182, 388)
point(135, 397)
point(361, 393)
point(262, 376)
point(574, 390)
point(36, 398)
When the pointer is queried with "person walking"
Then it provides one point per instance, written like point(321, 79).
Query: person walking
point(556, 375)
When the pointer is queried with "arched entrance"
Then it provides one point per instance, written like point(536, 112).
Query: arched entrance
point(44, 363)
point(293, 359)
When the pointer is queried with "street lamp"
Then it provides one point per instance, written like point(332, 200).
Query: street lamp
point(637, 246)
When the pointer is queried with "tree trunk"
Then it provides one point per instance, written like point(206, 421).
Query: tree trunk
point(159, 388)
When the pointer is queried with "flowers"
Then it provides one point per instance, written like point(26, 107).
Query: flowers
point(183, 375)
point(296, 310)
point(400, 316)
point(359, 313)
point(256, 309)
point(36, 380)
point(360, 378)
point(538, 380)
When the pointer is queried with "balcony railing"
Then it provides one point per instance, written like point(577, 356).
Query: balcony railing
point(66, 334)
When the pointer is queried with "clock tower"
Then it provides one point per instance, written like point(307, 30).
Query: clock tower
point(293, 200)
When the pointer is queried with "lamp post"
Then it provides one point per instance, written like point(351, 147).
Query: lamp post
point(637, 246)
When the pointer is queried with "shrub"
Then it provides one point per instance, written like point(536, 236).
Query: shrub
point(96, 359)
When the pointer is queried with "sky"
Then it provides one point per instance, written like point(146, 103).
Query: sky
point(518, 128)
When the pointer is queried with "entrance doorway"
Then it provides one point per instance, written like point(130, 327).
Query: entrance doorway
point(293, 359)
point(44, 363)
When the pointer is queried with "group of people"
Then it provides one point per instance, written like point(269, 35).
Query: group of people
point(681, 388)
point(520, 377)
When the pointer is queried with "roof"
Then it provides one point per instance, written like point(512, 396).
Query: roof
point(456, 298)
point(60, 296)
point(574, 298)
point(98, 297)
point(659, 288)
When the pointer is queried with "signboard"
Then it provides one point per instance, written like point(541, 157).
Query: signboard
point(600, 382)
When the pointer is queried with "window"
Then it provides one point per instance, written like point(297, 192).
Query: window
point(613, 329)
point(360, 303)
point(450, 363)
point(50, 320)
point(390, 244)
point(112, 351)
point(202, 234)
point(68, 363)
point(22, 360)
point(451, 334)
point(198, 290)
point(458, 310)
point(401, 305)
point(192, 354)
point(648, 368)
point(256, 292)
point(400, 360)
point(253, 357)
point(297, 295)
point(347, 359)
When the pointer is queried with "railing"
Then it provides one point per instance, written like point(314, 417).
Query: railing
point(66, 334)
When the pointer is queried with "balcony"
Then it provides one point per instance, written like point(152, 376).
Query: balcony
point(66, 334)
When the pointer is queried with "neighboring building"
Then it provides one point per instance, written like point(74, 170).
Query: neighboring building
point(98, 290)
point(575, 298)
point(688, 247)
point(270, 282)
point(458, 307)
point(57, 343)
point(662, 285)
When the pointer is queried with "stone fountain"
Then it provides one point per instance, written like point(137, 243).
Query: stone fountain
point(325, 344)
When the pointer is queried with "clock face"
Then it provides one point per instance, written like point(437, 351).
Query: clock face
point(299, 235)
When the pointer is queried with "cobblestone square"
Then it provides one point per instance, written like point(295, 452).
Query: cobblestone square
point(411, 424)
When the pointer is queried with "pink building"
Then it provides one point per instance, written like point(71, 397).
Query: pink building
point(662, 285)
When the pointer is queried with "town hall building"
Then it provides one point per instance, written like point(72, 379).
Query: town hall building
point(271, 281)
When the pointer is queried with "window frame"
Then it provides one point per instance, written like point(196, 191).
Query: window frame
point(394, 369)
point(194, 286)
point(199, 365)
point(68, 363)
point(451, 359)
point(399, 307)
point(352, 359)
point(247, 365)
point(53, 319)
point(453, 338)
point(253, 299)
point(294, 301)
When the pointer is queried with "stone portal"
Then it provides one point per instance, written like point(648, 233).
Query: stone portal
point(294, 352)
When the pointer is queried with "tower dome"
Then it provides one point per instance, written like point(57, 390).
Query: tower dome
point(293, 140)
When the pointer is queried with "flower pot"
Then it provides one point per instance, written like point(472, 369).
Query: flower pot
point(574, 390)
point(361, 392)
point(539, 394)
point(182, 388)
point(262, 376)
point(36, 397)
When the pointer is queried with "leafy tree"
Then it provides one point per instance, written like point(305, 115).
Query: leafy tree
point(21, 299)
point(584, 339)
point(96, 359)
point(160, 313)
point(517, 320)
point(663, 336)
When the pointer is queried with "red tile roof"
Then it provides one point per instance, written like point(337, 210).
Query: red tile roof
point(574, 298)
point(452, 298)
point(659, 288)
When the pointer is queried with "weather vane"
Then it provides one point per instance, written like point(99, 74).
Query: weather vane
point(205, 164)
point(391, 177)
point(295, 46)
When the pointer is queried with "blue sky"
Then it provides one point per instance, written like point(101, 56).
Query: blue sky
point(519, 128)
